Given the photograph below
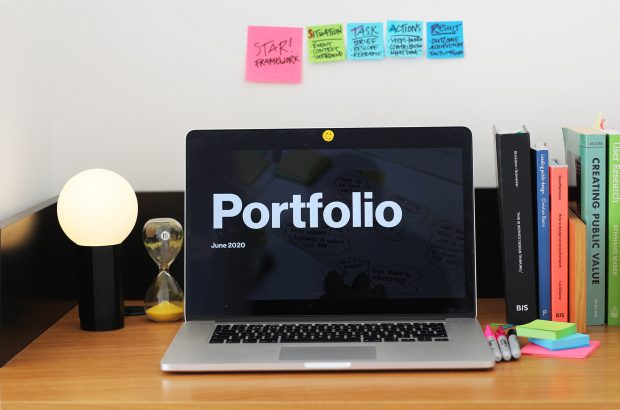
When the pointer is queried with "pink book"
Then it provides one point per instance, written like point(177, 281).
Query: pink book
point(576, 353)
point(558, 224)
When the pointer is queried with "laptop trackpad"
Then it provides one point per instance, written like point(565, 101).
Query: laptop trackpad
point(328, 353)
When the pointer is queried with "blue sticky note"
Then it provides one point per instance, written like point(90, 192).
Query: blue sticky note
point(444, 39)
point(568, 342)
point(365, 41)
point(404, 39)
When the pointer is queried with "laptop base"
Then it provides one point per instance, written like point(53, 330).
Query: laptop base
point(191, 351)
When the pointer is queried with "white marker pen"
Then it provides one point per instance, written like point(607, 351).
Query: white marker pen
point(503, 343)
point(513, 341)
point(488, 333)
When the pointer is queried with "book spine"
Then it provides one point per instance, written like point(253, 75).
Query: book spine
point(516, 225)
point(592, 189)
point(558, 192)
point(541, 173)
point(613, 230)
point(576, 272)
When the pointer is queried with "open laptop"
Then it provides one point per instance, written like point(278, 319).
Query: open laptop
point(317, 249)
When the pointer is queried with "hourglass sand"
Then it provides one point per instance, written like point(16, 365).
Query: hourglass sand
point(163, 239)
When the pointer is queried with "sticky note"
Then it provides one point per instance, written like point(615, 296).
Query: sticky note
point(325, 43)
point(577, 353)
point(444, 39)
point(404, 38)
point(365, 41)
point(274, 54)
point(568, 342)
point(546, 329)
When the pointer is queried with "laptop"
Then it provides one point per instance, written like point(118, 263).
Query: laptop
point(329, 249)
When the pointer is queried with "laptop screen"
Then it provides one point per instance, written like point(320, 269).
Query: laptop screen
point(326, 222)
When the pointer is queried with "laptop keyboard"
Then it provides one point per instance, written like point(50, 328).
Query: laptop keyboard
point(330, 333)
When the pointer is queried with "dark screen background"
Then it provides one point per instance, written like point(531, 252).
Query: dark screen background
point(240, 271)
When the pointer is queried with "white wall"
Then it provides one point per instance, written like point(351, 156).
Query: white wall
point(130, 78)
point(26, 166)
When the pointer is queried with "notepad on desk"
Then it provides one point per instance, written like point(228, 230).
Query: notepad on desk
point(569, 342)
point(546, 329)
point(577, 353)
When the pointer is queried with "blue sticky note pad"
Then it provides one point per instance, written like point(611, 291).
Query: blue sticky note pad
point(404, 39)
point(365, 41)
point(569, 342)
point(444, 39)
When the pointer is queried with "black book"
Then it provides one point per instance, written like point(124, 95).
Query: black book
point(516, 224)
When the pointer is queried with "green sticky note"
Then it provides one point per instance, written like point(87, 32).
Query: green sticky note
point(326, 43)
point(546, 329)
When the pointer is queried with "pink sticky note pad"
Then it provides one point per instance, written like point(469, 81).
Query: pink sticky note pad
point(274, 54)
point(577, 353)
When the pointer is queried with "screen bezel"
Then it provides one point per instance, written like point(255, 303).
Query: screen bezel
point(212, 141)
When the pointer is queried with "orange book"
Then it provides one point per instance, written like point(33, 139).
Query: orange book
point(576, 271)
point(558, 224)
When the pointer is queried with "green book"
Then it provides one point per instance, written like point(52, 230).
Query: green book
point(586, 156)
point(546, 329)
point(613, 227)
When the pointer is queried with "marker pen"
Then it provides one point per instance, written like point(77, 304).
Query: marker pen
point(513, 341)
point(488, 333)
point(503, 343)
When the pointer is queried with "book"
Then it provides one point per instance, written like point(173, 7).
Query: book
point(613, 227)
point(577, 353)
point(568, 342)
point(546, 329)
point(516, 224)
point(558, 225)
point(576, 271)
point(540, 181)
point(585, 156)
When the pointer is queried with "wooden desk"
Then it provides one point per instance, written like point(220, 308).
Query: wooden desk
point(69, 368)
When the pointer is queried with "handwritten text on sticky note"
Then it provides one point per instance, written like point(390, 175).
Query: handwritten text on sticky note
point(444, 39)
point(325, 43)
point(365, 41)
point(404, 38)
point(274, 54)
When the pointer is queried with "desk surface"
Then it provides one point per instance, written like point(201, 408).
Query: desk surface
point(69, 368)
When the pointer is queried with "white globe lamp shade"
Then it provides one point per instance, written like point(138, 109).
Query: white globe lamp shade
point(97, 207)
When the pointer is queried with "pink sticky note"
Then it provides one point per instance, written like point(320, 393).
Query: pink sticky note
point(274, 54)
point(577, 353)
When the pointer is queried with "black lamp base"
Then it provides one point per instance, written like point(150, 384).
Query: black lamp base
point(101, 295)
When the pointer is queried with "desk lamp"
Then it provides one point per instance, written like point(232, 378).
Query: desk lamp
point(97, 209)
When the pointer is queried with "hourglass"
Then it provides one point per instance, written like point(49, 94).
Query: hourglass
point(163, 239)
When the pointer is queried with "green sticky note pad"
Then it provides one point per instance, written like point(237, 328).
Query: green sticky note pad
point(303, 166)
point(546, 329)
point(326, 43)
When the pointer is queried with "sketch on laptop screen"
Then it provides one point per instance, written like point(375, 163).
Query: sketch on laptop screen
point(341, 224)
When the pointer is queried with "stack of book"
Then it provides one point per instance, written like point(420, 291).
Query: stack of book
point(555, 260)
point(555, 339)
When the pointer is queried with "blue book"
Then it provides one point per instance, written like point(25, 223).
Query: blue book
point(569, 342)
point(540, 174)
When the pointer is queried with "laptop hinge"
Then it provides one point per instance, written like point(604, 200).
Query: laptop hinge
point(333, 318)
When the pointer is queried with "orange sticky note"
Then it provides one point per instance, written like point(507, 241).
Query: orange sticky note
point(274, 54)
point(576, 353)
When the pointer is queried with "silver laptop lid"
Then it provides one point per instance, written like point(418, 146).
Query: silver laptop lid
point(355, 221)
